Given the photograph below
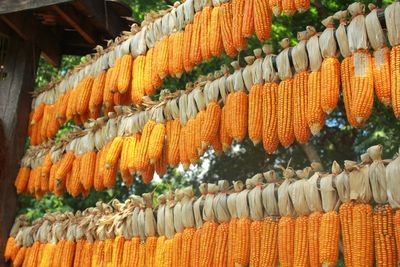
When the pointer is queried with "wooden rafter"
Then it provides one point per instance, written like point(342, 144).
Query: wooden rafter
point(9, 6)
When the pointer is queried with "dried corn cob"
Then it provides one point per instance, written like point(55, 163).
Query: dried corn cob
point(113, 83)
point(125, 73)
point(300, 101)
point(289, 7)
point(262, 19)
point(395, 80)
point(149, 88)
point(205, 31)
point(285, 111)
point(255, 113)
point(330, 75)
point(195, 45)
point(286, 229)
point(270, 117)
point(173, 135)
point(114, 152)
point(212, 118)
point(84, 91)
point(269, 243)
point(88, 169)
point(226, 29)
point(237, 24)
point(137, 91)
point(187, 39)
point(156, 141)
point(108, 97)
point(362, 237)
point(142, 159)
point(248, 18)
point(216, 46)
point(156, 80)
point(302, 5)
point(275, 6)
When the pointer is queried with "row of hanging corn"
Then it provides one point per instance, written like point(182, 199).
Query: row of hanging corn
point(299, 220)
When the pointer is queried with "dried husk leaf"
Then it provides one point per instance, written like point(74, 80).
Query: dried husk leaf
point(329, 196)
point(270, 194)
point(393, 180)
point(255, 198)
point(199, 204)
point(220, 204)
point(377, 174)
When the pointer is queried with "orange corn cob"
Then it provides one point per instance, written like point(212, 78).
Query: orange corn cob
point(288, 7)
point(215, 32)
point(224, 137)
point(381, 73)
point(110, 176)
point(187, 237)
point(142, 158)
point(269, 243)
point(301, 253)
point(148, 174)
point(330, 77)
point(300, 101)
point(59, 253)
point(345, 213)
point(207, 243)
point(237, 24)
point(65, 166)
point(171, 50)
point(98, 250)
point(159, 254)
point(108, 251)
point(162, 59)
point(87, 254)
point(52, 177)
point(195, 44)
point(88, 163)
point(137, 84)
point(205, 33)
point(302, 5)
point(114, 152)
point(26, 258)
point(396, 221)
point(178, 58)
point(362, 240)
point(255, 113)
point(31, 182)
point(118, 250)
point(124, 162)
point(199, 122)
point(256, 231)
point(242, 255)
point(20, 257)
point(221, 245)
point(314, 223)
point(108, 97)
point(286, 234)
point(187, 41)
point(173, 134)
point(285, 113)
point(125, 73)
point(38, 113)
point(248, 18)
point(133, 150)
point(190, 140)
point(131, 252)
point(149, 89)
point(177, 249)
point(315, 114)
point(85, 88)
point(113, 85)
point(48, 254)
point(9, 247)
point(151, 243)
point(240, 106)
point(212, 118)
point(196, 244)
point(395, 79)
point(62, 108)
point(160, 167)
point(22, 179)
point(70, 111)
point(262, 19)
point(156, 142)
point(98, 174)
point(78, 251)
point(329, 237)
point(226, 29)
point(96, 97)
point(74, 185)
point(363, 88)
point(384, 237)
point(217, 146)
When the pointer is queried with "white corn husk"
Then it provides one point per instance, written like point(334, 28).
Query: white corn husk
point(208, 211)
point(178, 211)
point(297, 191)
point(343, 186)
point(392, 19)
point(313, 196)
point(255, 198)
point(161, 215)
point(232, 199)
point(220, 203)
point(284, 202)
point(257, 71)
point(377, 174)
point(270, 195)
point(247, 72)
point(393, 180)
point(327, 42)
point(169, 216)
point(282, 61)
point(356, 31)
point(329, 196)
point(150, 222)
point(198, 206)
point(238, 83)
point(376, 36)
point(341, 33)
point(187, 208)
point(299, 53)
point(360, 189)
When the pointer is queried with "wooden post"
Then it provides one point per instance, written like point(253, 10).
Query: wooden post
point(15, 104)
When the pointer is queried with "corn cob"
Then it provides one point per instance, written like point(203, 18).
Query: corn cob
point(171, 50)
point(74, 185)
point(159, 255)
point(286, 229)
point(88, 168)
point(224, 137)
point(137, 84)
point(84, 91)
point(96, 96)
point(110, 176)
point(363, 88)
point(124, 161)
point(26, 259)
point(178, 59)
point(149, 89)
point(65, 167)
point(62, 108)
point(108, 97)
point(216, 46)
point(330, 76)
point(150, 247)
point(269, 243)
point(148, 174)
point(52, 177)
point(395, 79)
point(113, 84)
point(240, 106)
point(190, 140)
point(114, 152)
point(155, 78)
point(301, 252)
point(345, 213)
point(9, 247)
point(118, 250)
point(262, 19)
point(329, 236)
point(168, 254)
point(288, 7)
point(302, 5)
point(125, 73)
point(22, 179)
point(195, 253)
point(87, 254)
point(132, 155)
point(20, 257)
point(108, 251)
point(131, 252)
point(98, 251)
point(226, 29)
point(362, 235)
point(177, 249)
point(207, 243)
point(173, 134)
point(300, 101)
point(256, 231)
point(285, 113)
point(384, 237)
point(255, 113)
point(205, 32)
point(163, 58)
point(199, 122)
point(187, 40)
point(38, 113)
point(78, 251)
point(98, 175)
point(275, 6)
point(142, 157)
point(31, 182)
point(210, 128)
point(315, 114)
point(248, 18)
point(183, 157)
point(242, 255)
point(238, 39)
point(58, 253)
point(187, 237)
point(195, 46)
point(381, 76)
point(396, 221)
point(156, 142)
point(314, 222)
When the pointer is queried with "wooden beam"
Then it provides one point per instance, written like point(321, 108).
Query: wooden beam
point(4, 29)
point(26, 26)
point(15, 102)
point(77, 22)
point(109, 21)
point(10, 6)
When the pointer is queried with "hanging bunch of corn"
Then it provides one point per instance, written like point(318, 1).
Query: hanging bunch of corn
point(256, 100)
point(257, 224)
point(287, 222)
point(391, 13)
point(298, 194)
point(300, 89)
point(362, 83)
point(381, 56)
point(222, 216)
point(262, 19)
point(330, 68)
point(188, 223)
point(314, 203)
point(362, 238)
point(198, 206)
point(329, 232)
point(226, 14)
point(270, 101)
point(383, 221)
point(269, 237)
point(205, 30)
point(285, 96)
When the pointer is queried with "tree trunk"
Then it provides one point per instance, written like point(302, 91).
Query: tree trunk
point(311, 152)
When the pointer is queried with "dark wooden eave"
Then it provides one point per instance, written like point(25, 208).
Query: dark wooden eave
point(58, 27)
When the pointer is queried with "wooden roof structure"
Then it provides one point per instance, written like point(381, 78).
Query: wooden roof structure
point(58, 27)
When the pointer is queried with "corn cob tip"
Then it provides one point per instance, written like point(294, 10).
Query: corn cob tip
point(108, 166)
point(255, 142)
point(204, 145)
point(225, 147)
point(360, 120)
point(152, 161)
point(276, 11)
point(328, 111)
point(315, 129)
point(238, 140)
point(186, 166)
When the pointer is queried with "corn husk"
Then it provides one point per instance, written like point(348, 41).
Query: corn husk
point(242, 207)
point(377, 174)
point(247, 73)
point(208, 211)
point(198, 206)
point(376, 36)
point(232, 199)
point(312, 193)
point(135, 216)
point(356, 31)
point(313, 50)
point(169, 216)
point(270, 194)
point(183, 106)
point(393, 179)
point(360, 190)
point(187, 207)
point(150, 221)
point(343, 186)
point(161, 215)
point(284, 202)
point(238, 83)
point(142, 223)
point(222, 85)
point(220, 203)
point(392, 14)
point(257, 71)
point(189, 11)
point(329, 195)
point(327, 42)
point(299, 53)
point(341, 33)
point(282, 61)
point(178, 211)
point(255, 198)
point(269, 73)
